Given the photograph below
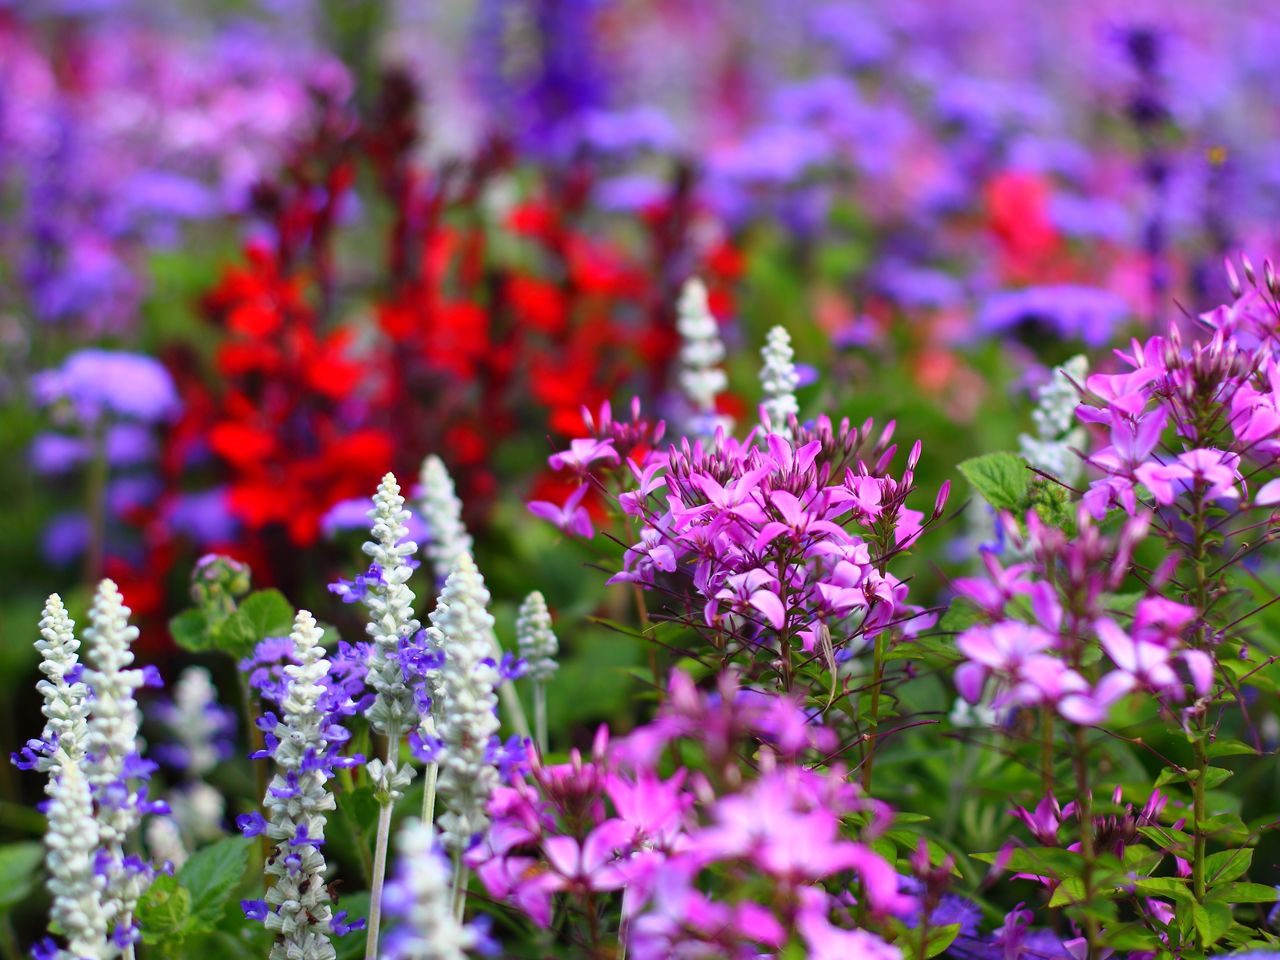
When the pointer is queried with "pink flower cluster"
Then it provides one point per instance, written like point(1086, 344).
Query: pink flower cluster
point(1048, 615)
point(1222, 398)
point(726, 860)
point(771, 535)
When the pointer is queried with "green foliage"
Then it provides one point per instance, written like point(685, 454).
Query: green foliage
point(19, 864)
point(263, 613)
point(195, 901)
point(1002, 479)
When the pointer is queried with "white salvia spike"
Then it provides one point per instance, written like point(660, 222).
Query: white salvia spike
point(391, 616)
point(538, 647)
point(164, 840)
point(111, 745)
point(194, 724)
point(429, 930)
point(65, 707)
point(466, 717)
point(448, 541)
point(701, 350)
point(536, 640)
point(113, 723)
point(72, 842)
point(778, 381)
point(1057, 431)
point(447, 537)
point(296, 804)
point(198, 809)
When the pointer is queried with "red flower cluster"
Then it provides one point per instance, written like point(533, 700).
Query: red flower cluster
point(482, 333)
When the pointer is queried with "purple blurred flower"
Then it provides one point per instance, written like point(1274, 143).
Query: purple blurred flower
point(100, 382)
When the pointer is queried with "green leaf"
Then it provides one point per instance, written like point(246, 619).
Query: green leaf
point(1244, 893)
point(1069, 892)
point(941, 938)
point(164, 910)
point(1001, 479)
point(1230, 748)
point(960, 616)
point(1165, 887)
point(1227, 865)
point(1040, 861)
point(18, 865)
point(190, 630)
point(1211, 921)
point(264, 613)
point(212, 875)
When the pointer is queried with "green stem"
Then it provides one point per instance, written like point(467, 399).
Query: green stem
point(429, 793)
point(1046, 750)
point(9, 939)
point(380, 857)
point(540, 714)
point(1084, 808)
point(459, 886)
point(877, 676)
point(1198, 814)
point(95, 506)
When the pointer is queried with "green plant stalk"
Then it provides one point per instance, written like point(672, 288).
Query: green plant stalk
point(9, 939)
point(95, 506)
point(1084, 807)
point(429, 793)
point(1198, 813)
point(1199, 809)
point(540, 714)
point(459, 886)
point(380, 856)
point(1046, 750)
point(877, 677)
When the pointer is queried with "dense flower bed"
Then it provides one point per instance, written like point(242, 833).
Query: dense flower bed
point(545, 478)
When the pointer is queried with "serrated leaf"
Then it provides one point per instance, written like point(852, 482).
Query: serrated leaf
point(264, 613)
point(18, 865)
point(1227, 865)
point(1001, 479)
point(212, 875)
point(190, 631)
point(164, 911)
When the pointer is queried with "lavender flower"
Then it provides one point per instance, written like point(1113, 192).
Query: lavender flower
point(96, 383)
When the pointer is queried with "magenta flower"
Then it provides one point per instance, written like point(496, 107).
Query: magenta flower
point(582, 453)
point(571, 518)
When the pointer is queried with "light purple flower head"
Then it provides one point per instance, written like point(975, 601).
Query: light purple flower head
point(97, 383)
